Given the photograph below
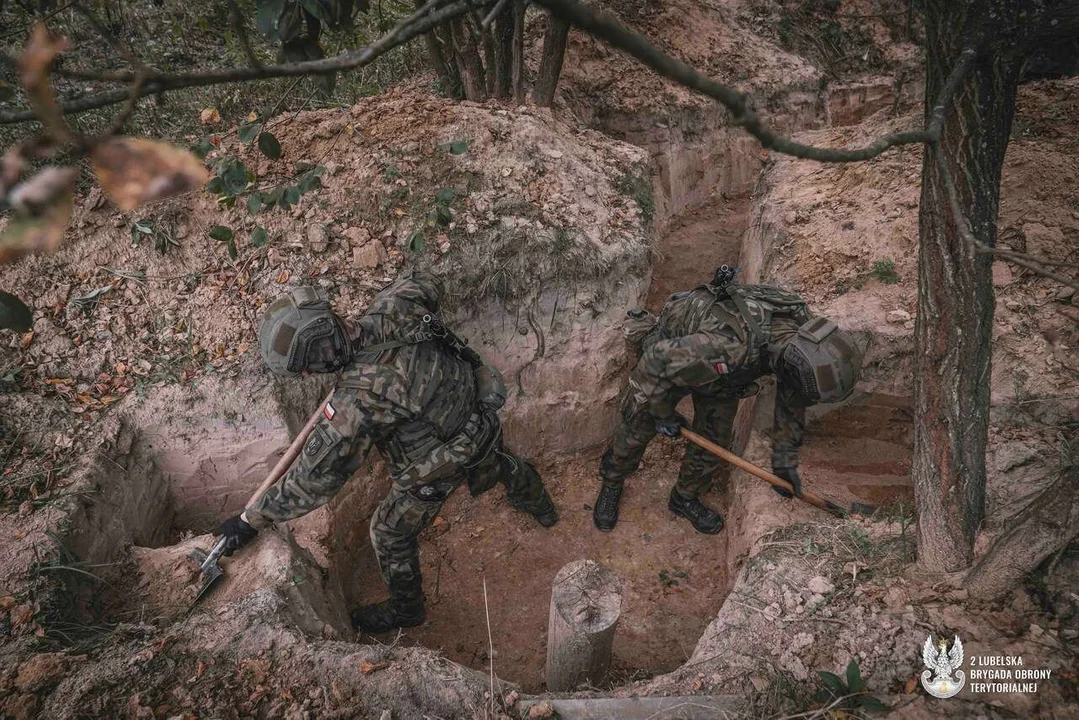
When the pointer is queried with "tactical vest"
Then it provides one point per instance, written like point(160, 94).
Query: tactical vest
point(750, 311)
point(449, 430)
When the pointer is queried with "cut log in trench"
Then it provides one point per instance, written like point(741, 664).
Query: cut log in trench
point(586, 602)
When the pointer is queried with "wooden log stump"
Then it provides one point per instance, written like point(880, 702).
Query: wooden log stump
point(586, 601)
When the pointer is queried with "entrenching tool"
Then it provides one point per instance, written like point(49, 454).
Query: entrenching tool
point(806, 495)
point(208, 561)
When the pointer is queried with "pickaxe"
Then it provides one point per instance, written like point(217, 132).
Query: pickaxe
point(208, 561)
point(806, 495)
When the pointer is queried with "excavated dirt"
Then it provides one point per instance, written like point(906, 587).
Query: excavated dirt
point(153, 393)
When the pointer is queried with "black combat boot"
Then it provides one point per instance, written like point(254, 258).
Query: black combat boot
point(605, 512)
point(704, 519)
point(546, 517)
point(387, 615)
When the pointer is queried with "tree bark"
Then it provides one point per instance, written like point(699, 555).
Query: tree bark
point(1049, 523)
point(468, 62)
point(445, 71)
point(518, 51)
point(504, 54)
point(953, 329)
point(586, 601)
point(554, 50)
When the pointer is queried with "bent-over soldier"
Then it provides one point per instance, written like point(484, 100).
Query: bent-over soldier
point(410, 387)
point(713, 342)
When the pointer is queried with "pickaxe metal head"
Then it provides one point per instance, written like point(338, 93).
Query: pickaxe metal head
point(208, 566)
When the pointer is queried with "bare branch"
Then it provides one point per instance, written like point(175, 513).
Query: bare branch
point(418, 23)
point(494, 13)
point(605, 27)
point(129, 108)
point(241, 35)
point(959, 71)
point(1030, 262)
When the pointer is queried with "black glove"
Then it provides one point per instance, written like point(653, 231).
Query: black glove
point(237, 533)
point(670, 426)
point(791, 476)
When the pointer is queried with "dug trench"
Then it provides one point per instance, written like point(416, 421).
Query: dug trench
point(487, 569)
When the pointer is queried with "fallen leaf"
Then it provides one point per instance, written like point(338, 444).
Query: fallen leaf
point(14, 314)
point(34, 65)
point(135, 171)
point(42, 231)
point(27, 339)
point(21, 615)
point(7, 602)
point(367, 667)
point(438, 521)
point(911, 684)
point(209, 116)
point(282, 277)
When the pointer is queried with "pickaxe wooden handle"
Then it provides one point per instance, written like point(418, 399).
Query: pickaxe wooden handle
point(278, 470)
point(807, 495)
point(290, 455)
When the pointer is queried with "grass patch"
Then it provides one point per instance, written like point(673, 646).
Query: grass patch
point(638, 186)
point(884, 270)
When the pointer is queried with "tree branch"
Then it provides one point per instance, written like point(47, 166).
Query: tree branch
point(962, 66)
point(605, 27)
point(975, 245)
point(418, 23)
point(241, 35)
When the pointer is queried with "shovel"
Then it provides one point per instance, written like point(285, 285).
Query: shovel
point(208, 561)
point(806, 495)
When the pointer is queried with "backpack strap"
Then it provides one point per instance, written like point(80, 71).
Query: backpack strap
point(759, 337)
point(383, 347)
point(740, 303)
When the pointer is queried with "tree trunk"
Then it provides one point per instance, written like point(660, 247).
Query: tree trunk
point(554, 50)
point(954, 325)
point(489, 59)
point(586, 601)
point(1049, 523)
point(518, 51)
point(504, 54)
point(446, 72)
point(468, 62)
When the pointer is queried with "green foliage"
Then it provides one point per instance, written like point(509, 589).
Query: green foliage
point(259, 236)
point(638, 186)
point(847, 693)
point(457, 147)
point(269, 145)
point(231, 178)
point(221, 233)
point(884, 270)
point(14, 314)
point(670, 579)
point(156, 231)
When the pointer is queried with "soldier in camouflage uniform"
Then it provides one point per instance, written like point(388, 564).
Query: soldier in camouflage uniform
point(712, 343)
point(415, 391)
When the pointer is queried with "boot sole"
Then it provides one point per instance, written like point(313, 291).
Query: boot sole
point(709, 531)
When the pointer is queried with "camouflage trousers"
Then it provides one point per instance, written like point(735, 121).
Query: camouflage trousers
point(404, 513)
point(713, 417)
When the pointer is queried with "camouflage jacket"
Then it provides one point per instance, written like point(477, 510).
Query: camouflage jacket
point(415, 402)
point(704, 345)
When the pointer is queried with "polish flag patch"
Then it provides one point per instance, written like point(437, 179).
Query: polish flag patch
point(722, 368)
point(329, 411)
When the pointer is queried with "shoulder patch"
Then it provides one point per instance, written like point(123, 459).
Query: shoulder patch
point(329, 410)
point(722, 368)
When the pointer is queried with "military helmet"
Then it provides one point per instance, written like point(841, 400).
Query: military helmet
point(299, 332)
point(821, 362)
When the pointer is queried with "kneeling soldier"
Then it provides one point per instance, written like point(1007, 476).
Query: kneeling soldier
point(713, 342)
point(411, 388)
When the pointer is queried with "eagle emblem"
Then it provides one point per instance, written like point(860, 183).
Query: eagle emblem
point(943, 678)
